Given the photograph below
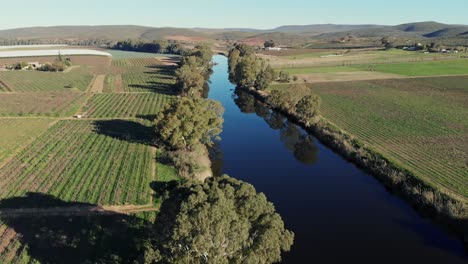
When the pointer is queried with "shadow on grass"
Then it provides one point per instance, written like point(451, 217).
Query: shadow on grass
point(130, 131)
point(75, 239)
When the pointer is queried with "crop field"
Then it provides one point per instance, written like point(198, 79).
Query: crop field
point(99, 162)
point(18, 132)
point(307, 70)
point(35, 81)
point(140, 75)
point(429, 68)
point(354, 57)
point(419, 123)
point(126, 105)
point(40, 104)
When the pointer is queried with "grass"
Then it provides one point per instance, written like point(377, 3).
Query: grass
point(308, 70)
point(428, 68)
point(35, 81)
point(15, 133)
point(121, 105)
point(420, 124)
point(40, 104)
point(99, 162)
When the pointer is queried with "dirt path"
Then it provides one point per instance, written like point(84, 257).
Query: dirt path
point(78, 210)
point(98, 84)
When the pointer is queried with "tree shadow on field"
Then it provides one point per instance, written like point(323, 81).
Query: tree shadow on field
point(160, 82)
point(130, 131)
point(64, 238)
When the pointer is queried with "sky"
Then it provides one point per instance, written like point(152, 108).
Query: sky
point(260, 14)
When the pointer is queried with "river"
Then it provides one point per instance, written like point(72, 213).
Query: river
point(339, 214)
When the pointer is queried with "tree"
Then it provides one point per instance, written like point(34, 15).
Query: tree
point(223, 220)
point(269, 44)
point(189, 77)
point(308, 107)
point(188, 122)
point(246, 71)
point(265, 77)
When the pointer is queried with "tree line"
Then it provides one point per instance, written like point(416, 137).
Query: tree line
point(249, 71)
point(155, 46)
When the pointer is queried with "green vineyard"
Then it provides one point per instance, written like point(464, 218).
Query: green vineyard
point(419, 124)
point(126, 105)
point(102, 162)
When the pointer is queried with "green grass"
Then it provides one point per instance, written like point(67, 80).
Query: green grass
point(420, 124)
point(429, 68)
point(16, 133)
point(122, 105)
point(35, 81)
point(309, 70)
point(98, 162)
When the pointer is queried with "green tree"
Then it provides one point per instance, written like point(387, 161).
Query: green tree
point(223, 220)
point(246, 71)
point(308, 107)
point(265, 77)
point(188, 122)
point(269, 44)
point(189, 77)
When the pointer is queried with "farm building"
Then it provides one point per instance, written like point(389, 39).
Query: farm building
point(273, 48)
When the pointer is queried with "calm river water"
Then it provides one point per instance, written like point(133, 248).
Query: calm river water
point(339, 214)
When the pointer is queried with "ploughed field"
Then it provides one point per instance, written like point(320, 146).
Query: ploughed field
point(419, 123)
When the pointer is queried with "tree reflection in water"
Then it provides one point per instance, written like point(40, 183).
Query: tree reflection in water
point(296, 140)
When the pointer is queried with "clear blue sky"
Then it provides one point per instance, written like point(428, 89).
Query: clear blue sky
point(228, 13)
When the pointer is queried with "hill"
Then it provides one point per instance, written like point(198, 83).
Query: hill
point(322, 28)
point(426, 27)
point(448, 32)
point(118, 32)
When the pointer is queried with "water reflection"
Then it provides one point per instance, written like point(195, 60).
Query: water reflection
point(299, 143)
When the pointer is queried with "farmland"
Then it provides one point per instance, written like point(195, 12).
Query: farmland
point(429, 68)
point(17, 132)
point(35, 81)
point(101, 162)
point(122, 105)
point(419, 124)
point(354, 57)
point(140, 75)
point(40, 104)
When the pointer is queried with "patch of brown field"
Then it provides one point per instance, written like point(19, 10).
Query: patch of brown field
point(185, 38)
point(118, 84)
point(7, 237)
point(36, 103)
point(98, 84)
point(345, 76)
point(253, 41)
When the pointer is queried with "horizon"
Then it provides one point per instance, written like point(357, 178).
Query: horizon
point(231, 28)
point(226, 15)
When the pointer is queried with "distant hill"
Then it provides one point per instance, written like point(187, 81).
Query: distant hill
point(290, 35)
point(97, 32)
point(426, 27)
point(448, 32)
point(322, 28)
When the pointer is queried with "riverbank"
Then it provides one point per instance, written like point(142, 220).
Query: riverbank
point(428, 200)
